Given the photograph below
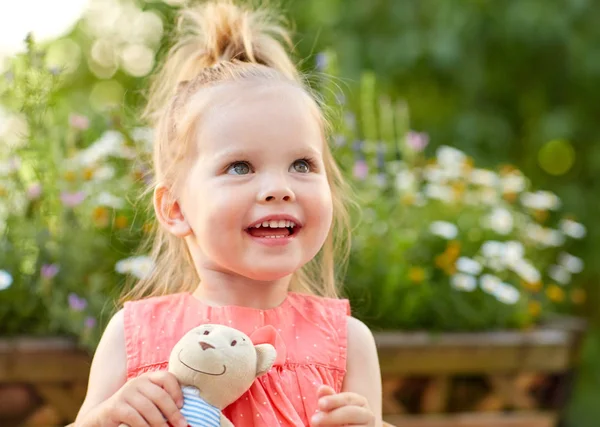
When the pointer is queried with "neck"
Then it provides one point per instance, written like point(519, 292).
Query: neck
point(221, 289)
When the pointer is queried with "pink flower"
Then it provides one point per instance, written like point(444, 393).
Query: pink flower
point(48, 271)
point(72, 199)
point(34, 191)
point(417, 141)
point(361, 169)
point(79, 122)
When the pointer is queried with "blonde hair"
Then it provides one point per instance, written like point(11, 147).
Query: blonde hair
point(220, 42)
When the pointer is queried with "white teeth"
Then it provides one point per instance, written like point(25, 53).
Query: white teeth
point(276, 224)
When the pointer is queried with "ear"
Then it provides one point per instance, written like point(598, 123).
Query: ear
point(169, 213)
point(265, 357)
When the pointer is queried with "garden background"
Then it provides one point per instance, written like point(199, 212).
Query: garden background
point(487, 109)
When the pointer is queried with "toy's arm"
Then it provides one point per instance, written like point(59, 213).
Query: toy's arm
point(225, 422)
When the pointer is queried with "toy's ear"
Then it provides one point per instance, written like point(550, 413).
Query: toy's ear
point(265, 357)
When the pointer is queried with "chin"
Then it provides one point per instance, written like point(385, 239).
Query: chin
point(269, 273)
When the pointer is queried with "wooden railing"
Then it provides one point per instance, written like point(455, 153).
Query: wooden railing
point(519, 377)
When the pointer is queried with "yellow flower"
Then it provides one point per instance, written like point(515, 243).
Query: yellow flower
point(555, 293)
point(468, 165)
point(447, 260)
point(3, 191)
point(88, 174)
point(578, 296)
point(534, 308)
point(532, 286)
point(407, 199)
point(100, 216)
point(121, 221)
point(148, 227)
point(70, 176)
point(416, 274)
point(510, 197)
point(458, 188)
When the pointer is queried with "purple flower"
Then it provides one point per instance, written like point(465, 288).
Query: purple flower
point(417, 141)
point(89, 322)
point(72, 199)
point(48, 271)
point(321, 61)
point(339, 140)
point(77, 303)
point(79, 122)
point(361, 169)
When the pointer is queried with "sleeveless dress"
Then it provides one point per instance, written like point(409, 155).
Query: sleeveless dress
point(311, 348)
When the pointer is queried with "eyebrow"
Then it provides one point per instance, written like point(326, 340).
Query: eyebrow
point(244, 153)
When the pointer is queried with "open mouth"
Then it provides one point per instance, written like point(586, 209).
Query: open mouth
point(274, 229)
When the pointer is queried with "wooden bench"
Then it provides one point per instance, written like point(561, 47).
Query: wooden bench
point(54, 373)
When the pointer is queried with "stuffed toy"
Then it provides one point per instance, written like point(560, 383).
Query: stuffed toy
point(215, 366)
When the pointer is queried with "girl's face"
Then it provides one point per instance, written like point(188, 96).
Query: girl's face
point(256, 199)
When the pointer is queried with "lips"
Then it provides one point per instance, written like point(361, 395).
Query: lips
point(274, 227)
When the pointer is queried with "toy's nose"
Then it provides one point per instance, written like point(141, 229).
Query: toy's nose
point(205, 345)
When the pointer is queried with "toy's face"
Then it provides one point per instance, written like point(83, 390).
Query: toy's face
point(220, 361)
point(215, 350)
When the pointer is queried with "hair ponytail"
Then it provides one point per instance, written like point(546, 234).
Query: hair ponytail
point(219, 32)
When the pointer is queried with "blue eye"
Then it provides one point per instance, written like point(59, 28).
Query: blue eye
point(239, 168)
point(301, 166)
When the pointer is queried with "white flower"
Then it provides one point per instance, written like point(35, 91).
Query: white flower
point(503, 292)
point(507, 294)
point(489, 283)
point(5, 280)
point(489, 196)
point(559, 274)
point(110, 200)
point(439, 192)
point(139, 266)
point(513, 183)
point(545, 236)
point(450, 157)
point(104, 173)
point(526, 271)
point(572, 229)
point(109, 144)
point(444, 229)
point(500, 220)
point(513, 252)
point(406, 181)
point(468, 266)
point(540, 200)
point(572, 263)
point(492, 249)
point(484, 177)
point(463, 282)
point(435, 174)
point(145, 136)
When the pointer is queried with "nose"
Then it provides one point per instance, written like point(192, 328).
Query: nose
point(276, 189)
point(205, 345)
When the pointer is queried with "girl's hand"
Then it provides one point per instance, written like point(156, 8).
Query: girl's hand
point(149, 400)
point(341, 409)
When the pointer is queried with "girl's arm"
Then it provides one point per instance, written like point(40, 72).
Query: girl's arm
point(359, 403)
point(112, 401)
point(108, 372)
point(363, 375)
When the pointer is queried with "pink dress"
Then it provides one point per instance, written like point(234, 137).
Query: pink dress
point(311, 346)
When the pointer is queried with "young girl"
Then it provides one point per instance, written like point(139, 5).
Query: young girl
point(251, 210)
